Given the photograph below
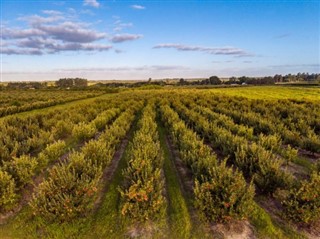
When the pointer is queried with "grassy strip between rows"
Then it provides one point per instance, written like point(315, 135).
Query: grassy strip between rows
point(179, 217)
point(266, 227)
point(106, 222)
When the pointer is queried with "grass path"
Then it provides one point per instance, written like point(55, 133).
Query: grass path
point(179, 217)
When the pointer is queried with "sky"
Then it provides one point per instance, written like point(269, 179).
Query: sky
point(118, 40)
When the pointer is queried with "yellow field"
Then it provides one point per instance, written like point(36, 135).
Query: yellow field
point(273, 92)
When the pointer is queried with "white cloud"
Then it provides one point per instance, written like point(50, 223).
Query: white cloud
point(50, 34)
point(119, 25)
point(210, 50)
point(138, 7)
point(51, 12)
point(91, 3)
point(118, 38)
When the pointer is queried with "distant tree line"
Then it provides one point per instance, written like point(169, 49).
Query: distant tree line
point(71, 82)
point(26, 85)
point(267, 80)
point(80, 83)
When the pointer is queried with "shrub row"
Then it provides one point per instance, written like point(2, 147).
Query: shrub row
point(142, 195)
point(253, 160)
point(71, 187)
point(221, 193)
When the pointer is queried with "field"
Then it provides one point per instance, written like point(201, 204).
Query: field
point(161, 163)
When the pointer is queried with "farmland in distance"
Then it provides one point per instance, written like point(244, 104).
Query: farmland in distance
point(161, 163)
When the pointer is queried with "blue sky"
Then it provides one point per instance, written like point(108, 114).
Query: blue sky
point(103, 40)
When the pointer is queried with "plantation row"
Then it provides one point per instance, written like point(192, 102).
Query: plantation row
point(70, 189)
point(14, 101)
point(258, 163)
point(235, 153)
point(142, 195)
point(30, 144)
point(296, 124)
point(220, 193)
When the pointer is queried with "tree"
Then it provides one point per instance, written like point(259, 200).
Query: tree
point(214, 80)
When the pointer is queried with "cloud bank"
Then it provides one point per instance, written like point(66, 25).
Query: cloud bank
point(51, 33)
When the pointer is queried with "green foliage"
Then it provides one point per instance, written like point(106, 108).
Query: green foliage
point(22, 169)
point(97, 151)
point(256, 162)
point(68, 192)
point(62, 129)
point(102, 119)
point(142, 198)
point(52, 153)
point(8, 196)
point(83, 131)
point(223, 195)
point(302, 204)
point(312, 143)
point(290, 154)
point(270, 142)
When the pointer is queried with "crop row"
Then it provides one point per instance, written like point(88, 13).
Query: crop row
point(19, 101)
point(71, 188)
point(20, 166)
point(299, 199)
point(220, 192)
point(142, 195)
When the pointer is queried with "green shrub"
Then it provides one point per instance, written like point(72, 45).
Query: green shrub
point(97, 151)
point(254, 161)
point(271, 177)
point(270, 142)
point(290, 154)
point(312, 143)
point(143, 200)
point(302, 204)
point(51, 153)
point(22, 169)
point(62, 129)
point(8, 196)
point(223, 194)
point(68, 192)
point(83, 131)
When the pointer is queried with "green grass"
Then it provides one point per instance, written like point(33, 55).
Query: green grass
point(272, 92)
point(107, 222)
point(309, 166)
point(179, 217)
point(266, 227)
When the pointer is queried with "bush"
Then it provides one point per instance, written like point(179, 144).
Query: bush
point(52, 153)
point(62, 129)
point(22, 169)
point(97, 151)
point(8, 196)
point(223, 195)
point(254, 161)
point(69, 191)
point(302, 204)
point(143, 200)
point(83, 131)
point(271, 177)
point(270, 142)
